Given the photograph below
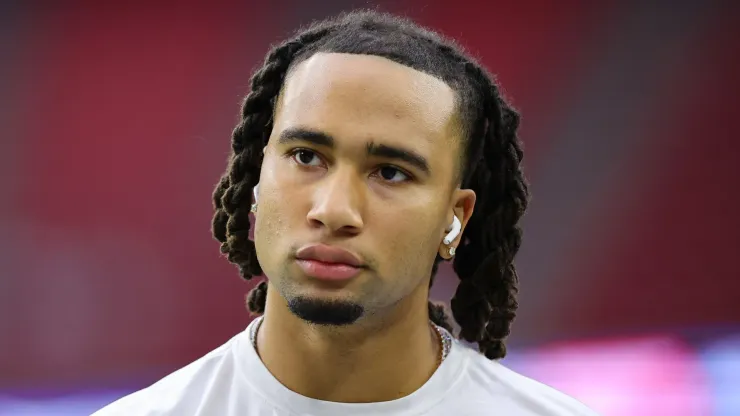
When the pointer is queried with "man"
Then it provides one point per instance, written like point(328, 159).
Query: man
point(374, 150)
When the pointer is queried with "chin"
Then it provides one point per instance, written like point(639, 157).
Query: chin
point(326, 311)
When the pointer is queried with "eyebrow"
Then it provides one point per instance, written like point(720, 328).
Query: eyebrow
point(379, 150)
point(298, 134)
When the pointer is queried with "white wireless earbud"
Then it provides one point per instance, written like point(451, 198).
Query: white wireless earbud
point(454, 230)
point(255, 190)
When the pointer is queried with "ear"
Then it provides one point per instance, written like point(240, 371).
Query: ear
point(461, 206)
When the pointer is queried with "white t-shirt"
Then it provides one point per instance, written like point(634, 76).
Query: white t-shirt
point(232, 381)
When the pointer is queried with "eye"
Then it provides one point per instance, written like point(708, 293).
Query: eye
point(392, 174)
point(305, 157)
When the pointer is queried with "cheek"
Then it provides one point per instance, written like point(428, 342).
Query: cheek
point(268, 222)
point(274, 220)
point(271, 236)
point(274, 215)
point(408, 241)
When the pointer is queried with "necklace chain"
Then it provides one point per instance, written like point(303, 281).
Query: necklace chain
point(444, 337)
point(445, 342)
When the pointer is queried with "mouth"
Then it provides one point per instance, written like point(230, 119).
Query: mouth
point(328, 271)
point(326, 262)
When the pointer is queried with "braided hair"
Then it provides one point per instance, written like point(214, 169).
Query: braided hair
point(484, 304)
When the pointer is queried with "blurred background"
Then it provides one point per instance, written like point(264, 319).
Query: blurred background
point(114, 127)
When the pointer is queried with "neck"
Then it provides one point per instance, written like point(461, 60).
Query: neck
point(386, 359)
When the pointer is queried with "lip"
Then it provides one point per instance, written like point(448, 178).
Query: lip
point(326, 262)
point(328, 254)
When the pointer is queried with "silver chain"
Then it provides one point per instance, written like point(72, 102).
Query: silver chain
point(444, 336)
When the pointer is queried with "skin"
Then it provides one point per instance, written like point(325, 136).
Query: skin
point(389, 212)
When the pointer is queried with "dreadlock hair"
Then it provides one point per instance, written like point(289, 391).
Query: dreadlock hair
point(484, 304)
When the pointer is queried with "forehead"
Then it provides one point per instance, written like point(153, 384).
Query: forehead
point(362, 96)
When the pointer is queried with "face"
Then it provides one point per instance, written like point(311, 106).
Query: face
point(362, 160)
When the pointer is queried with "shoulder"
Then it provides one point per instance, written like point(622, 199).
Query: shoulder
point(518, 394)
point(181, 391)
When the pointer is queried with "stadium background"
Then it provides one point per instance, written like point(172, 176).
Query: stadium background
point(115, 120)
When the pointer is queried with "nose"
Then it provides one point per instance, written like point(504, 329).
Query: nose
point(337, 204)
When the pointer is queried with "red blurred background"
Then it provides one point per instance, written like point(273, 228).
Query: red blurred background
point(115, 127)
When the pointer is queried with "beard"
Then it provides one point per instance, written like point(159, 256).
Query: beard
point(326, 312)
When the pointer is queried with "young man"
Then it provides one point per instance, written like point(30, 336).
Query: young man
point(374, 150)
